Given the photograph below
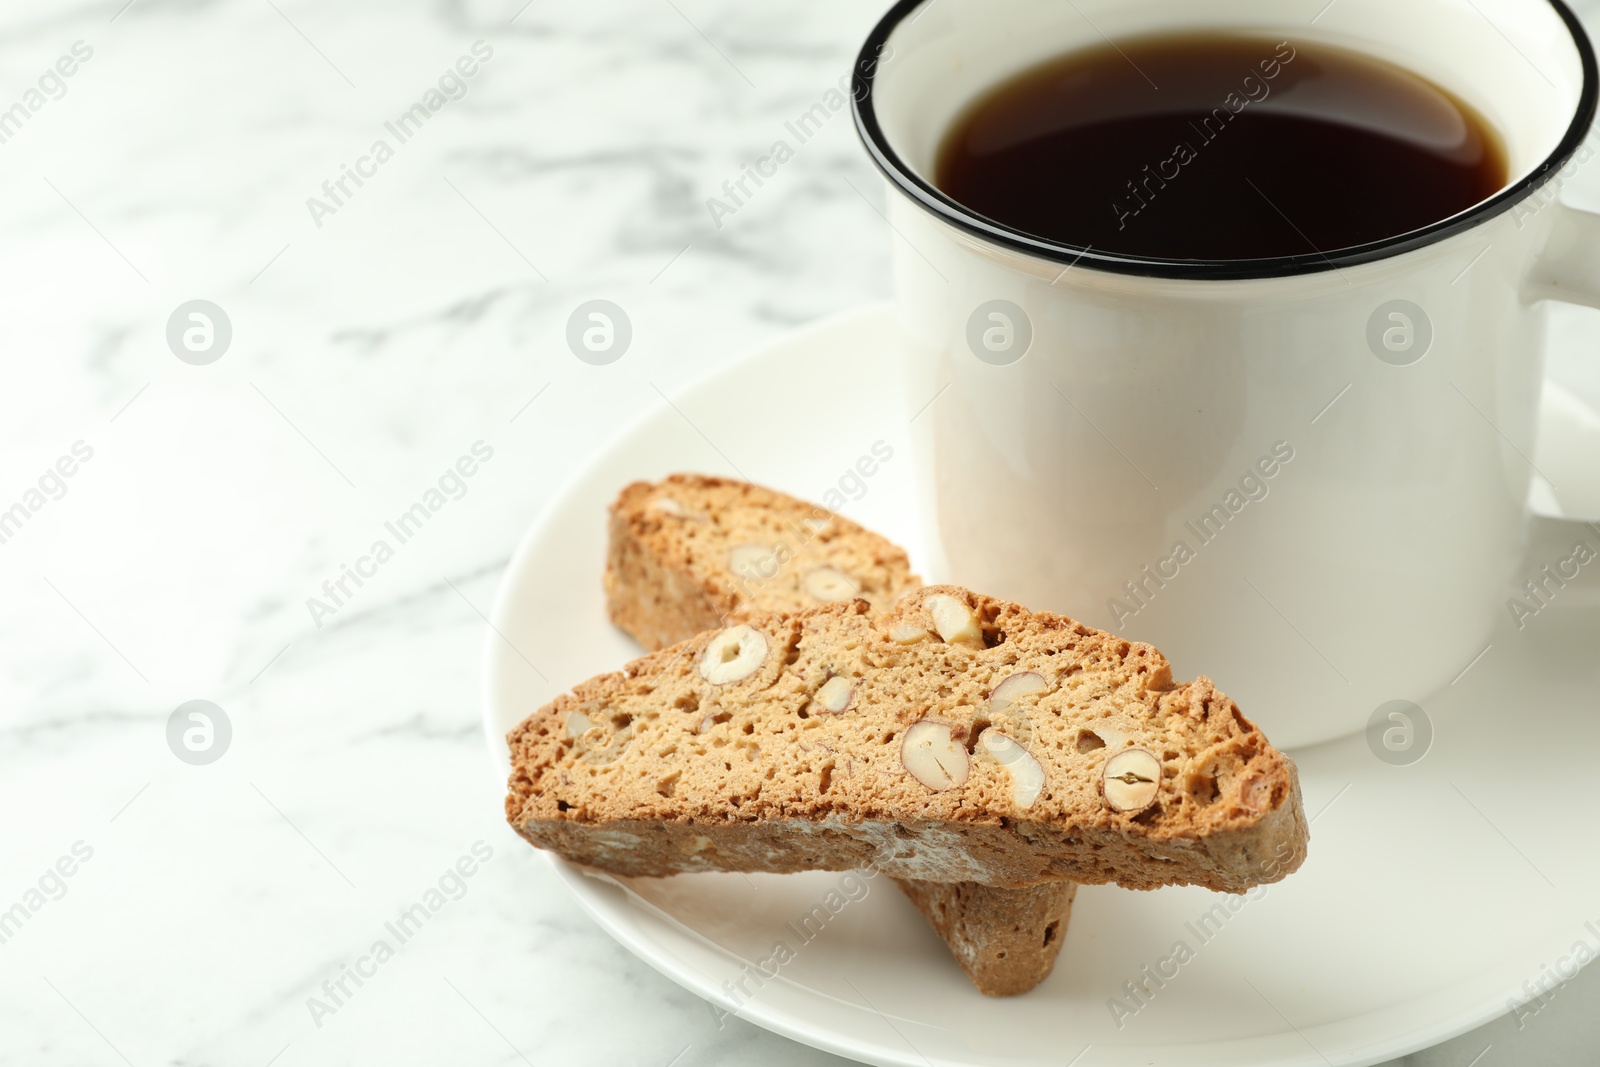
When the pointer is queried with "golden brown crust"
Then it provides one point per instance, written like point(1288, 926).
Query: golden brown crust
point(1007, 940)
point(665, 772)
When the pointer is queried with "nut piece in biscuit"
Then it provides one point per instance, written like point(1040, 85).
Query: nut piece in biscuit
point(954, 621)
point(835, 694)
point(1132, 780)
point(755, 562)
point(1027, 777)
point(830, 583)
point(733, 655)
point(907, 633)
point(1254, 793)
point(668, 505)
point(1014, 687)
point(933, 757)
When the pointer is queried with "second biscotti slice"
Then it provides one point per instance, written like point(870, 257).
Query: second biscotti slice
point(1007, 940)
point(693, 552)
point(832, 739)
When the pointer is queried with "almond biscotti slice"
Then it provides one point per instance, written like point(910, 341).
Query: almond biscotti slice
point(690, 533)
point(957, 738)
point(692, 552)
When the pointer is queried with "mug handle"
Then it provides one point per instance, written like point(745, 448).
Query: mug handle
point(1566, 507)
point(1569, 266)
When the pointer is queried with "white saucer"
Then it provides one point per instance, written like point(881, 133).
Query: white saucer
point(1432, 891)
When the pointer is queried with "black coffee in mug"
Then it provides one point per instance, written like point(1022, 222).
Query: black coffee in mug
point(1218, 146)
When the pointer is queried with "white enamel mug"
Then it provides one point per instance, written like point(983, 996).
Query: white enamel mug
point(1307, 477)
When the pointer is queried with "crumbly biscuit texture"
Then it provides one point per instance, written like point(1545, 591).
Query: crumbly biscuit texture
point(932, 759)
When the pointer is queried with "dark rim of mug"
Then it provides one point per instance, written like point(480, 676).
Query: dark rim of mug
point(940, 205)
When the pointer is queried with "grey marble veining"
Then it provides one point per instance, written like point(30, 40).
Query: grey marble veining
point(372, 346)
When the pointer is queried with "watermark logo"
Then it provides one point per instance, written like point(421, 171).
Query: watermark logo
point(599, 332)
point(1399, 733)
point(739, 190)
point(199, 332)
point(1252, 487)
point(1550, 192)
point(767, 560)
point(1252, 89)
point(1541, 989)
point(337, 991)
point(1543, 588)
point(1399, 333)
point(51, 85)
point(1140, 991)
point(51, 486)
point(337, 592)
point(851, 888)
point(999, 332)
point(199, 732)
point(451, 86)
point(47, 888)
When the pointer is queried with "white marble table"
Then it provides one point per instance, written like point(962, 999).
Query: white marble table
point(376, 338)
